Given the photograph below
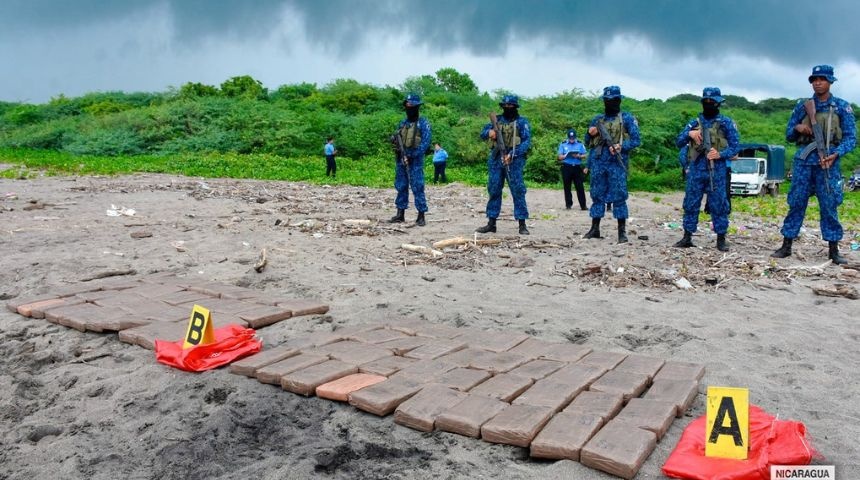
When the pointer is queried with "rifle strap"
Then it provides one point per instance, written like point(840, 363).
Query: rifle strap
point(829, 126)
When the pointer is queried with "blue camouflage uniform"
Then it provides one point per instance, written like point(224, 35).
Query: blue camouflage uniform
point(608, 177)
point(415, 178)
point(699, 177)
point(808, 178)
point(496, 171)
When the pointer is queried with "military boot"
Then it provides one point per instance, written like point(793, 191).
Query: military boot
point(685, 242)
point(399, 217)
point(721, 243)
point(595, 229)
point(523, 229)
point(490, 227)
point(420, 220)
point(784, 250)
point(834, 254)
point(622, 230)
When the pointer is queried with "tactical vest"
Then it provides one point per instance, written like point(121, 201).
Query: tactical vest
point(410, 135)
point(616, 131)
point(508, 135)
point(718, 141)
point(821, 119)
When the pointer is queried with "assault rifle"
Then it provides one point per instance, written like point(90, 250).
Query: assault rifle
point(607, 139)
point(820, 146)
point(401, 153)
point(500, 144)
point(706, 147)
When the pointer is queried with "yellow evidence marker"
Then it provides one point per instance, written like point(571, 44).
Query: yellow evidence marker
point(727, 432)
point(199, 330)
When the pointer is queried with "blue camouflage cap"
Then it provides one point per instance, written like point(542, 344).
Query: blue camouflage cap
point(510, 100)
point(612, 91)
point(823, 71)
point(412, 100)
point(571, 133)
point(712, 93)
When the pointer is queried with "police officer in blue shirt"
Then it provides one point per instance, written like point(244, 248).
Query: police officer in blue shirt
point(813, 174)
point(440, 161)
point(571, 152)
point(330, 152)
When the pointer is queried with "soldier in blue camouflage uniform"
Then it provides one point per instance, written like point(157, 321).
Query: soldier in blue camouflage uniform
point(414, 133)
point(516, 134)
point(704, 178)
point(608, 173)
point(813, 175)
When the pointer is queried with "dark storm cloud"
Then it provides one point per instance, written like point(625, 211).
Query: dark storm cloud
point(788, 32)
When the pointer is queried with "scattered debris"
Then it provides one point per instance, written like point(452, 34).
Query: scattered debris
point(840, 290)
point(683, 283)
point(261, 261)
point(422, 249)
point(113, 211)
point(110, 273)
point(450, 242)
point(141, 234)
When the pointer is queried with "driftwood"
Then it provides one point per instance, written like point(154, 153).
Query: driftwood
point(357, 222)
point(450, 242)
point(109, 273)
point(837, 291)
point(261, 261)
point(422, 249)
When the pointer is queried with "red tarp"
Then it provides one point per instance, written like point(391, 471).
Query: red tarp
point(232, 342)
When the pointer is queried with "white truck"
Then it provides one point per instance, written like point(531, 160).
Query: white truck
point(758, 169)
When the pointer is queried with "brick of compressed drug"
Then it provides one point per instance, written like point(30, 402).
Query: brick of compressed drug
point(604, 405)
point(565, 352)
point(618, 449)
point(680, 393)
point(578, 374)
point(383, 397)
point(305, 381)
point(301, 307)
point(153, 291)
point(315, 339)
point(386, 366)
point(465, 357)
point(339, 390)
point(505, 387)
point(120, 299)
point(438, 331)
point(516, 425)
point(378, 336)
point(608, 360)
point(184, 296)
point(435, 349)
point(407, 325)
point(264, 315)
point(145, 335)
point(462, 379)
point(13, 305)
point(537, 369)
point(87, 316)
point(355, 353)
point(498, 362)
point(653, 415)
point(220, 305)
point(531, 348)
point(222, 320)
point(233, 292)
point(249, 365)
point(94, 295)
point(37, 309)
point(273, 372)
point(629, 385)
point(425, 371)
point(209, 288)
point(681, 371)
point(405, 344)
point(493, 341)
point(467, 416)
point(640, 364)
point(564, 436)
point(421, 410)
point(549, 393)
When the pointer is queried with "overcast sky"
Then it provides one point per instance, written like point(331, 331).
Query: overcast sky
point(754, 48)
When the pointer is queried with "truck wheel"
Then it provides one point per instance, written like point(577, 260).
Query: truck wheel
point(763, 191)
point(774, 190)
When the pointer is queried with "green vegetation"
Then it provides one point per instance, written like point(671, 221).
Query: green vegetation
point(776, 208)
point(241, 129)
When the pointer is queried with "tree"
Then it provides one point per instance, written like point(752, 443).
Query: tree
point(455, 82)
point(196, 90)
point(244, 87)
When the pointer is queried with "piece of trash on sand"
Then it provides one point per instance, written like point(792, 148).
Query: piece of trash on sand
point(838, 290)
point(683, 283)
point(356, 222)
point(179, 245)
point(113, 211)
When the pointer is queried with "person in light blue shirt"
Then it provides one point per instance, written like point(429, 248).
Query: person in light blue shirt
point(330, 152)
point(440, 161)
point(571, 152)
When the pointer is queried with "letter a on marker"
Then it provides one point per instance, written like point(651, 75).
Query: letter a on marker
point(728, 427)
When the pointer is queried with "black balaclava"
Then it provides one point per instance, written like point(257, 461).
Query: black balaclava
point(710, 110)
point(611, 106)
point(510, 113)
point(412, 113)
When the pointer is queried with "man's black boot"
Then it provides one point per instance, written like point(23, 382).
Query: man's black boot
point(490, 227)
point(399, 218)
point(721, 243)
point(685, 242)
point(834, 254)
point(784, 250)
point(523, 229)
point(622, 230)
point(595, 229)
point(420, 220)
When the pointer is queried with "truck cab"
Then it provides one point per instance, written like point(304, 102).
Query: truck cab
point(758, 169)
